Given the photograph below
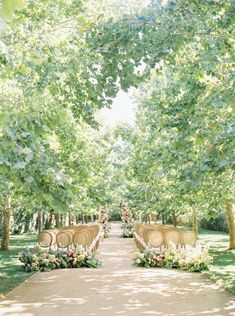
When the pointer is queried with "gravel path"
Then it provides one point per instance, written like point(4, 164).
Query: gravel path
point(117, 288)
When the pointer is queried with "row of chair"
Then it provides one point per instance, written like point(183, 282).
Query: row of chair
point(68, 237)
point(158, 235)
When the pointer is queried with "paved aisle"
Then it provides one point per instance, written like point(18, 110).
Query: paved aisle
point(117, 289)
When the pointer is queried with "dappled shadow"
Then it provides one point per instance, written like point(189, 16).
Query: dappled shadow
point(224, 258)
point(223, 270)
point(118, 289)
point(10, 268)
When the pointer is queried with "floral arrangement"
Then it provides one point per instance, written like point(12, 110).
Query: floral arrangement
point(106, 229)
point(127, 230)
point(38, 260)
point(103, 215)
point(190, 259)
point(126, 214)
point(127, 221)
point(104, 220)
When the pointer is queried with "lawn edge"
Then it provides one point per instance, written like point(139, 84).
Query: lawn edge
point(26, 280)
point(219, 284)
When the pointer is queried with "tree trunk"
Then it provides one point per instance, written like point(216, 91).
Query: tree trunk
point(174, 219)
point(44, 219)
point(61, 220)
point(77, 219)
point(51, 219)
point(6, 223)
point(39, 222)
point(57, 220)
point(70, 219)
point(231, 225)
point(195, 221)
point(163, 219)
point(66, 219)
point(1, 219)
point(27, 223)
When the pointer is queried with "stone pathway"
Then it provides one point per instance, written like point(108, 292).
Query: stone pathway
point(117, 288)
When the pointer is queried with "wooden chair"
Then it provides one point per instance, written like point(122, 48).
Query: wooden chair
point(137, 226)
point(188, 238)
point(90, 236)
point(97, 229)
point(47, 238)
point(80, 239)
point(154, 238)
point(140, 244)
point(140, 230)
point(64, 239)
point(172, 236)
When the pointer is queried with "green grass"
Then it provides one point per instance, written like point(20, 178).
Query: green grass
point(11, 274)
point(223, 268)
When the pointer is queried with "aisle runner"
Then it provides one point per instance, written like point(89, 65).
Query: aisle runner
point(117, 288)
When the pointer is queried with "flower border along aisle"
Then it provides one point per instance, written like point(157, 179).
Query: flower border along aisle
point(38, 260)
point(167, 247)
point(191, 259)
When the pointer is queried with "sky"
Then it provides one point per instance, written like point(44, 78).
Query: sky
point(122, 110)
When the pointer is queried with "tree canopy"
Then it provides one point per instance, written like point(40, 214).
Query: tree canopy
point(62, 61)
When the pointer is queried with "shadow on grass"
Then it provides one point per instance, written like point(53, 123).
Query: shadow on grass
point(11, 274)
point(223, 267)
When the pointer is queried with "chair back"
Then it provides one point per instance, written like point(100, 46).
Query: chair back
point(172, 236)
point(64, 239)
point(80, 239)
point(154, 238)
point(188, 238)
point(90, 236)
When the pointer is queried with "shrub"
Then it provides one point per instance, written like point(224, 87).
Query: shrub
point(127, 230)
point(217, 222)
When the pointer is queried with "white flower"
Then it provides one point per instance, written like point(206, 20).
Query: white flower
point(80, 249)
point(38, 248)
point(52, 258)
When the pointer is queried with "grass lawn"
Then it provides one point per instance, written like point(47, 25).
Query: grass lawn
point(11, 274)
point(223, 268)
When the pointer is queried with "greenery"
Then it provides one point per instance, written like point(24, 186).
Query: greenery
point(62, 61)
point(178, 162)
point(218, 223)
point(106, 229)
point(127, 229)
point(222, 269)
point(11, 274)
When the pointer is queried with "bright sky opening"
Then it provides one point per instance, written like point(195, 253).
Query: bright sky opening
point(122, 110)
